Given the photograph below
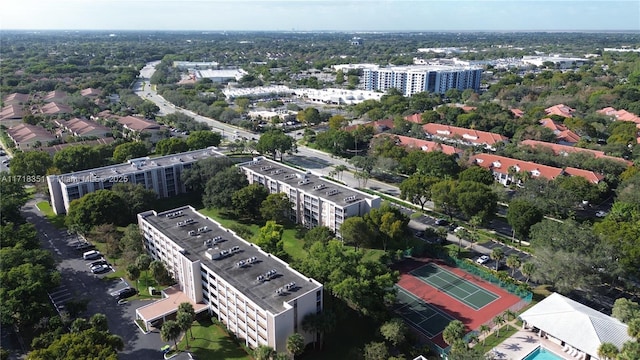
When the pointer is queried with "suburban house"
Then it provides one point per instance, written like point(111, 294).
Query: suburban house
point(16, 99)
point(55, 96)
point(561, 110)
point(260, 298)
point(90, 92)
point(11, 114)
point(579, 329)
point(425, 145)
point(508, 170)
point(464, 136)
point(378, 126)
point(563, 134)
point(564, 150)
point(84, 128)
point(55, 108)
point(27, 137)
point(141, 126)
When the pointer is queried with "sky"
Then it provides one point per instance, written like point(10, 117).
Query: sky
point(322, 15)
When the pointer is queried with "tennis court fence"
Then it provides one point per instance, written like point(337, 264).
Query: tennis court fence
point(511, 285)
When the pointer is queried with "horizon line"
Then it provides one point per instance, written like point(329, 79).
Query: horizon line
point(335, 31)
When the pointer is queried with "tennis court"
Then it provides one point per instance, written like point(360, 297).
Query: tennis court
point(455, 286)
point(422, 316)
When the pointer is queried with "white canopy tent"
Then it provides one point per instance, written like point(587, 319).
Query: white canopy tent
point(576, 325)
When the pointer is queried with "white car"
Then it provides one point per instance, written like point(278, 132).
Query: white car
point(98, 269)
point(483, 259)
point(601, 213)
point(458, 229)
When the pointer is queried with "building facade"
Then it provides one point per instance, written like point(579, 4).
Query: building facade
point(430, 78)
point(161, 174)
point(314, 201)
point(259, 297)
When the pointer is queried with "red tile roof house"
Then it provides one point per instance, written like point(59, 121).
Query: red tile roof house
point(412, 143)
point(464, 136)
point(25, 136)
point(11, 115)
point(90, 92)
point(55, 96)
point(378, 126)
point(83, 127)
point(504, 169)
point(561, 110)
point(141, 126)
point(54, 108)
point(564, 135)
point(414, 118)
point(564, 150)
point(622, 115)
point(517, 113)
point(16, 99)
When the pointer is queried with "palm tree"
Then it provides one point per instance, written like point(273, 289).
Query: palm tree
point(608, 351)
point(263, 352)
point(499, 321)
point(513, 261)
point(319, 323)
point(484, 329)
point(170, 331)
point(473, 338)
point(497, 254)
point(133, 273)
point(509, 314)
point(454, 331)
point(187, 308)
point(527, 270)
point(295, 344)
point(184, 322)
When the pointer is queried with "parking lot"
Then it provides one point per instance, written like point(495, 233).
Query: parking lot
point(79, 284)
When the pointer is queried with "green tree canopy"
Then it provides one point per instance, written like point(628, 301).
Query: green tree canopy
point(521, 215)
point(219, 190)
point(172, 145)
point(202, 139)
point(31, 163)
point(98, 207)
point(195, 178)
point(274, 142)
point(247, 201)
point(270, 239)
point(77, 158)
point(276, 207)
point(130, 150)
point(136, 197)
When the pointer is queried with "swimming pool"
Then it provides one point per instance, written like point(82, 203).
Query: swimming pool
point(541, 353)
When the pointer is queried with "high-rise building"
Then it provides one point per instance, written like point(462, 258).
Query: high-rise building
point(422, 78)
point(259, 297)
point(160, 174)
point(314, 200)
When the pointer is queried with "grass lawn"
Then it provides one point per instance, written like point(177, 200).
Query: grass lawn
point(292, 245)
point(212, 342)
point(492, 340)
point(216, 215)
point(55, 220)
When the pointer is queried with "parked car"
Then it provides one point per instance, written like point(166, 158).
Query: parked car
point(99, 268)
point(126, 293)
point(91, 255)
point(98, 262)
point(601, 213)
point(483, 259)
point(441, 222)
point(458, 229)
point(84, 246)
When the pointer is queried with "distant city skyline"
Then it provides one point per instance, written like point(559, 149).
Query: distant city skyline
point(320, 15)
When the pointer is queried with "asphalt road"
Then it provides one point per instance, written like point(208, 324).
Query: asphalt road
point(78, 283)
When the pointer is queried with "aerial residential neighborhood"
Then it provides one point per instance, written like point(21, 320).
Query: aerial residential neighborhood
point(358, 186)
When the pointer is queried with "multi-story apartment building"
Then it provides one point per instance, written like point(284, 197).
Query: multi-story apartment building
point(160, 174)
point(420, 78)
point(259, 297)
point(315, 201)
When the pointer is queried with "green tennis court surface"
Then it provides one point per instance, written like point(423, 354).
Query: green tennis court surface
point(453, 285)
point(419, 314)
